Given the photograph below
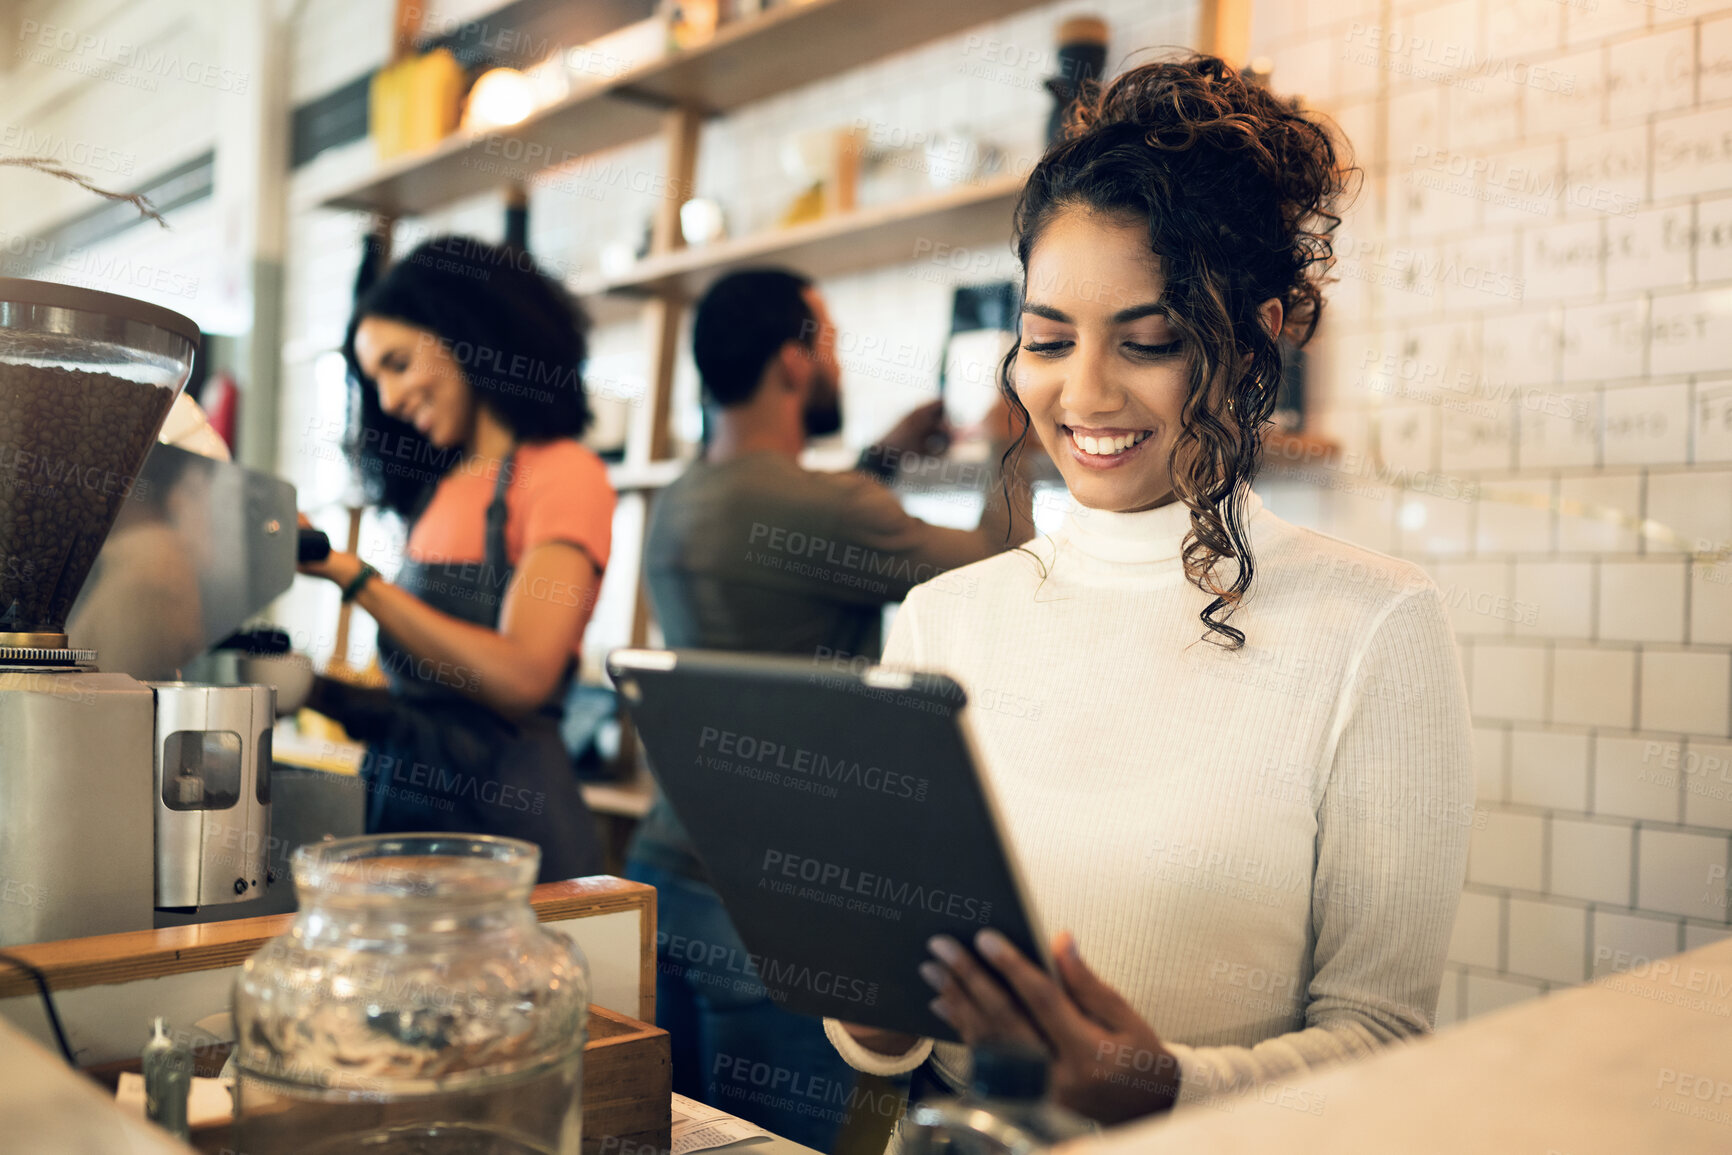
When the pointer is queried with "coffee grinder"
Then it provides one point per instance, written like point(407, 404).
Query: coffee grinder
point(117, 796)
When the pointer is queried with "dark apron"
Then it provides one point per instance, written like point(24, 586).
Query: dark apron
point(448, 763)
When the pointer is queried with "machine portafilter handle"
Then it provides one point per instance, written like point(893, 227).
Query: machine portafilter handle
point(314, 545)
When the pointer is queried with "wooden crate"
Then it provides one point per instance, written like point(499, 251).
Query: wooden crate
point(627, 1088)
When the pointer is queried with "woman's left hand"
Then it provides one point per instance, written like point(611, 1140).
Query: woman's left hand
point(341, 568)
point(1107, 1062)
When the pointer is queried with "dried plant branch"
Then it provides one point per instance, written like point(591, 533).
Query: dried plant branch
point(48, 165)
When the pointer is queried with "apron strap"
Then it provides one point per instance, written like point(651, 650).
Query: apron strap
point(498, 566)
point(496, 511)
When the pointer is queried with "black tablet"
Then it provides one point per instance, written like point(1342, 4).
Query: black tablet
point(841, 816)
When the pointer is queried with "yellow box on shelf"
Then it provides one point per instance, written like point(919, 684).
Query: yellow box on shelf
point(415, 103)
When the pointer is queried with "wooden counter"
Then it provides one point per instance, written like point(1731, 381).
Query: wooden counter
point(1635, 1062)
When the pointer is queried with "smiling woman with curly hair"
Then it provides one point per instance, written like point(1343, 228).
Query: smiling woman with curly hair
point(1246, 790)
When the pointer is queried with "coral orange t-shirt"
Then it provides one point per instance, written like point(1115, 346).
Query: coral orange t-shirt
point(559, 491)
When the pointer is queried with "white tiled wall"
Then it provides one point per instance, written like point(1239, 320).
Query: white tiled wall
point(1574, 153)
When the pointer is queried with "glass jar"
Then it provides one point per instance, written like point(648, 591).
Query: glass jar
point(1005, 1112)
point(414, 1005)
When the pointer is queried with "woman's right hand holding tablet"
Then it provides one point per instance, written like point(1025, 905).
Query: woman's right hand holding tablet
point(1107, 1061)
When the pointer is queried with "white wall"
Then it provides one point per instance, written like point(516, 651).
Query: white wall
point(1533, 331)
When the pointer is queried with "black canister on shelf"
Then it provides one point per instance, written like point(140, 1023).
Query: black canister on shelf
point(1082, 56)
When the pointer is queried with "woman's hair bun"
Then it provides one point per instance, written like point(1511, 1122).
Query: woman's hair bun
point(1273, 174)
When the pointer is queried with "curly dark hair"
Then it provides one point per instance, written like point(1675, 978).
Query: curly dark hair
point(1239, 189)
point(520, 339)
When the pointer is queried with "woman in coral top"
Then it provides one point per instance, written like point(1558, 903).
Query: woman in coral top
point(466, 361)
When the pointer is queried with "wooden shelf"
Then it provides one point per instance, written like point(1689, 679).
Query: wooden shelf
point(968, 216)
point(756, 58)
point(626, 1097)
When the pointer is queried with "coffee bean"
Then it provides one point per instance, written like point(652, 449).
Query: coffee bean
point(70, 445)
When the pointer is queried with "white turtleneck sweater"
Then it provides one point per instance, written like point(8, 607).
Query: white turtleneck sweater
point(1262, 850)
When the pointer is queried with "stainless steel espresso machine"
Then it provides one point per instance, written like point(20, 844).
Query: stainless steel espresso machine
point(117, 796)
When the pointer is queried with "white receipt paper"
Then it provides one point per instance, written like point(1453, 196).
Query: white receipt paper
point(699, 1127)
